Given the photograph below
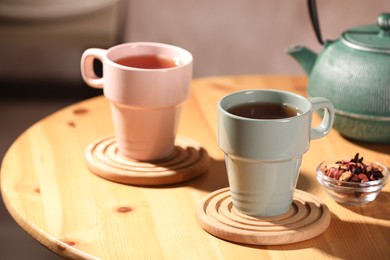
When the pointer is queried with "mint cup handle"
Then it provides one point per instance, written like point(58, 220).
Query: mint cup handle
point(327, 121)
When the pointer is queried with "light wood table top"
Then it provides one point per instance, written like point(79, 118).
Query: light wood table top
point(52, 195)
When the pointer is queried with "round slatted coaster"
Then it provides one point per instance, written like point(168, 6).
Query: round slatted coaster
point(307, 218)
point(189, 160)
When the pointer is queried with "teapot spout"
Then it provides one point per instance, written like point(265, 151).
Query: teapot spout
point(305, 57)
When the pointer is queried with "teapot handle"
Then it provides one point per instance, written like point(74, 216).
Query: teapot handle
point(314, 19)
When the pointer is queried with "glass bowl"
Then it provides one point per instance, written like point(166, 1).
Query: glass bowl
point(351, 193)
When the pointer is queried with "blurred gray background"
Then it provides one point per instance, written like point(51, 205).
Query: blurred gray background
point(41, 43)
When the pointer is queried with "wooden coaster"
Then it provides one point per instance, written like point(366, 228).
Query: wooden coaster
point(188, 161)
point(307, 218)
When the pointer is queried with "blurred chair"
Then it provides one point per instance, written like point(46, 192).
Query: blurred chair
point(41, 41)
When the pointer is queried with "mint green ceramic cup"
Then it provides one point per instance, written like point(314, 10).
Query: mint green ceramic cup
point(263, 156)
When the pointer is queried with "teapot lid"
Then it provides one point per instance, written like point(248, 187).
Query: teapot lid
point(374, 38)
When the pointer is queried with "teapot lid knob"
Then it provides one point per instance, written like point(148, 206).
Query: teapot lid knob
point(384, 24)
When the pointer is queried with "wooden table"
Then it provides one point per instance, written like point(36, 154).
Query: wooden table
point(50, 192)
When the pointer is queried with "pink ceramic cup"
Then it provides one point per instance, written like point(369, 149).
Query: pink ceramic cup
point(145, 102)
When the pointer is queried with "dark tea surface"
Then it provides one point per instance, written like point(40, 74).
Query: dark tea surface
point(263, 110)
point(148, 62)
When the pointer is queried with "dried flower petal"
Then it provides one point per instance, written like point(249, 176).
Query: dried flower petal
point(345, 176)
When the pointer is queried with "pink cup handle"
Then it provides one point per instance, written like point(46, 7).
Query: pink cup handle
point(87, 71)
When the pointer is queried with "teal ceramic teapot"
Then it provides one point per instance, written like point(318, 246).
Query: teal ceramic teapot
point(353, 72)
